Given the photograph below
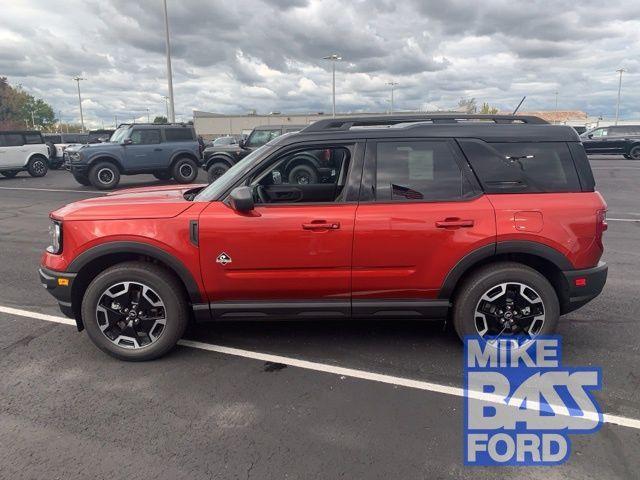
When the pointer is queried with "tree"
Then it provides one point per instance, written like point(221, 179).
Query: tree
point(18, 109)
point(468, 105)
point(160, 119)
point(488, 109)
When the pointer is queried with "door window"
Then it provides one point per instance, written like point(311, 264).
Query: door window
point(12, 140)
point(260, 137)
point(145, 137)
point(314, 175)
point(600, 132)
point(417, 171)
point(178, 134)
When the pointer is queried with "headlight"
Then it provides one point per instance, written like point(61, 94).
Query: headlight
point(55, 237)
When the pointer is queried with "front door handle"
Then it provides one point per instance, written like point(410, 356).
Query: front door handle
point(454, 223)
point(321, 225)
point(157, 149)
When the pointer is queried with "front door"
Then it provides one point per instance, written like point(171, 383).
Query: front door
point(13, 153)
point(422, 214)
point(291, 256)
point(145, 152)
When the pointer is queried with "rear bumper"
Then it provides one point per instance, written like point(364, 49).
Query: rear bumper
point(582, 286)
point(59, 285)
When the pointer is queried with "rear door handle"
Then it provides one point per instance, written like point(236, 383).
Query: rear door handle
point(321, 225)
point(454, 223)
point(157, 149)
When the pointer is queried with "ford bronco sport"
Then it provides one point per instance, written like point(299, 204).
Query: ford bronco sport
point(23, 150)
point(491, 221)
point(164, 150)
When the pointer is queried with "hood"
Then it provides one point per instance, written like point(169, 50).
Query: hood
point(74, 147)
point(136, 203)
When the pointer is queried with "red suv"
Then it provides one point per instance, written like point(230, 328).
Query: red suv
point(492, 221)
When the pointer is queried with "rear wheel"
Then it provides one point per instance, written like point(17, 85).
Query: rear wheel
point(135, 311)
point(505, 299)
point(38, 166)
point(9, 173)
point(104, 176)
point(162, 175)
point(626, 156)
point(216, 170)
point(634, 153)
point(184, 170)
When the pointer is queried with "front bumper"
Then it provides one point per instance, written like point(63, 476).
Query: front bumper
point(582, 286)
point(59, 285)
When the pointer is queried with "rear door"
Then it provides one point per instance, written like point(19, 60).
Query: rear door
point(420, 212)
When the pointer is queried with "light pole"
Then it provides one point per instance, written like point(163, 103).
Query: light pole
point(334, 57)
point(148, 120)
point(556, 115)
point(392, 85)
point(166, 104)
point(171, 110)
point(33, 120)
point(77, 79)
point(620, 70)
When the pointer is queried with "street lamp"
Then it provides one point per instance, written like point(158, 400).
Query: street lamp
point(166, 104)
point(334, 57)
point(77, 79)
point(392, 85)
point(148, 120)
point(171, 110)
point(620, 70)
point(556, 115)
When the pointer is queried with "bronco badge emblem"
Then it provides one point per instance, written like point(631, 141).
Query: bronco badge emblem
point(223, 259)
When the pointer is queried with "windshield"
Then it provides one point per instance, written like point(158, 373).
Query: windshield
point(230, 176)
point(224, 141)
point(260, 137)
point(119, 135)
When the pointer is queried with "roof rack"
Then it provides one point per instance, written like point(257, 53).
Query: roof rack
point(179, 124)
point(350, 122)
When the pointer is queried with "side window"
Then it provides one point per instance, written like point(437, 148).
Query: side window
point(522, 167)
point(600, 132)
point(178, 134)
point(13, 140)
point(312, 175)
point(260, 137)
point(32, 138)
point(417, 171)
point(145, 137)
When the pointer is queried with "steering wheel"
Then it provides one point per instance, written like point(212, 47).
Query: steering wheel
point(261, 194)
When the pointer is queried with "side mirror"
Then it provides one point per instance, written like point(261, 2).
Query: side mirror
point(241, 199)
point(242, 144)
point(127, 141)
point(590, 135)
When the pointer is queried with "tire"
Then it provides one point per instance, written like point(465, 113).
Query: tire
point(82, 179)
point(303, 175)
point(634, 153)
point(162, 175)
point(161, 285)
point(184, 170)
point(38, 166)
point(466, 320)
point(628, 157)
point(216, 170)
point(104, 176)
point(9, 173)
point(52, 152)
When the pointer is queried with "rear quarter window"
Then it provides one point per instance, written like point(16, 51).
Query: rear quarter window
point(12, 140)
point(32, 138)
point(178, 135)
point(538, 167)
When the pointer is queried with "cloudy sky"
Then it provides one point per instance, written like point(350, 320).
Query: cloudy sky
point(235, 56)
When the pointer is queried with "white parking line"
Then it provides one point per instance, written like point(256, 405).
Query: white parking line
point(326, 368)
point(623, 219)
point(52, 190)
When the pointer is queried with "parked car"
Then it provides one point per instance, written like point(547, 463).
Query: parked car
point(579, 129)
point(220, 158)
point(496, 225)
point(224, 141)
point(615, 140)
point(59, 142)
point(23, 151)
point(164, 150)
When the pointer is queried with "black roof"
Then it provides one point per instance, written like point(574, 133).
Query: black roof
point(156, 125)
point(21, 132)
point(279, 127)
point(491, 128)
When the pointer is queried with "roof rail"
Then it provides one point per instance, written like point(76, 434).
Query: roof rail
point(179, 124)
point(349, 122)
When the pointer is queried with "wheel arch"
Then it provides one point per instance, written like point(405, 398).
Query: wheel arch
point(34, 155)
point(183, 154)
point(106, 158)
point(631, 146)
point(219, 157)
point(542, 258)
point(96, 259)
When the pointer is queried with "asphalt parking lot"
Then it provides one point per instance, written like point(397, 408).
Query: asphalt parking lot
point(69, 411)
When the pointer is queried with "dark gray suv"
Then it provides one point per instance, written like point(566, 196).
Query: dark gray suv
point(164, 150)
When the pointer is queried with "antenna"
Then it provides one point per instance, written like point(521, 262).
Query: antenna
point(518, 107)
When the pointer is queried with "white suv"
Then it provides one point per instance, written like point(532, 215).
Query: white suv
point(23, 151)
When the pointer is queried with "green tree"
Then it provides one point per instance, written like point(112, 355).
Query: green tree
point(160, 119)
point(18, 109)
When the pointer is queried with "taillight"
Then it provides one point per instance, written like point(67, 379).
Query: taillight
point(601, 222)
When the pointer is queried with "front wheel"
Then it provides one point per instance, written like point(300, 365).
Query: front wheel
point(9, 173)
point(216, 170)
point(503, 300)
point(104, 176)
point(135, 311)
point(634, 153)
point(82, 179)
point(185, 170)
point(37, 167)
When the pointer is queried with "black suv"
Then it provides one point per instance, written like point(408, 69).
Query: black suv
point(218, 159)
point(615, 140)
point(164, 150)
